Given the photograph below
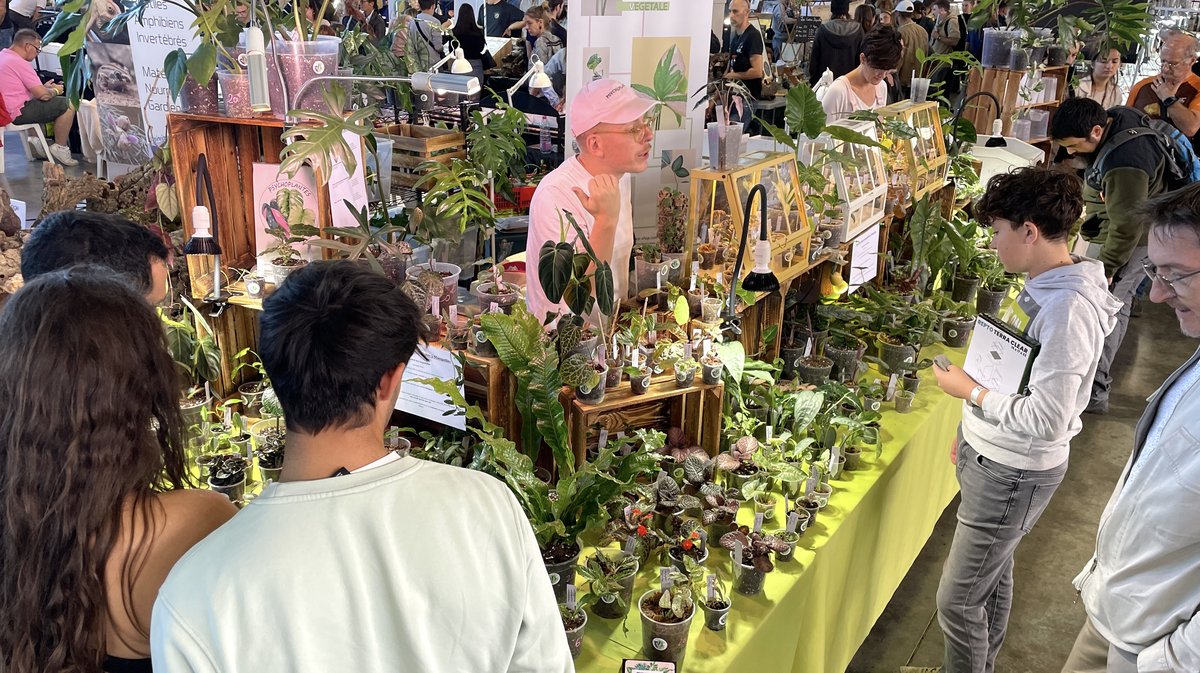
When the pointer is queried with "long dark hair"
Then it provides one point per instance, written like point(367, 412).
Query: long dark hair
point(89, 429)
point(464, 22)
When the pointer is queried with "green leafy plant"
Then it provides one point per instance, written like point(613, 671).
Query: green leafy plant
point(579, 278)
point(496, 144)
point(455, 198)
point(605, 574)
point(194, 351)
point(669, 85)
point(368, 242)
point(678, 600)
point(321, 142)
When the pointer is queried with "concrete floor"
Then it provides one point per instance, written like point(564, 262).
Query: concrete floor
point(1045, 616)
point(23, 177)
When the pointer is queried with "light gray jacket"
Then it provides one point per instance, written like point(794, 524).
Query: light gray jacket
point(1069, 310)
point(1142, 587)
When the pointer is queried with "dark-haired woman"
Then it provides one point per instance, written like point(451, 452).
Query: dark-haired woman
point(470, 38)
point(866, 87)
point(93, 509)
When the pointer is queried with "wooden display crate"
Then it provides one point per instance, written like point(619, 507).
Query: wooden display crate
point(414, 145)
point(1006, 85)
point(922, 160)
point(488, 383)
point(697, 410)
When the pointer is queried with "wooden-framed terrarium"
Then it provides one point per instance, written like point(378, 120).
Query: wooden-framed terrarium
point(718, 198)
point(858, 174)
point(919, 160)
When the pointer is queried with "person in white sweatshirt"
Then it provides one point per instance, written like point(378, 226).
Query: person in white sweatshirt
point(358, 559)
point(1012, 450)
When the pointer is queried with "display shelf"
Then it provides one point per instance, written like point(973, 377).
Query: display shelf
point(857, 172)
point(1006, 85)
point(696, 409)
point(920, 160)
point(715, 212)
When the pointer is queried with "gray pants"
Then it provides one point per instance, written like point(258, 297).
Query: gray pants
point(1093, 654)
point(1125, 285)
point(1000, 504)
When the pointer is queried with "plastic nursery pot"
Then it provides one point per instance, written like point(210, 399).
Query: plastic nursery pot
point(895, 356)
point(737, 480)
point(724, 148)
point(487, 294)
point(277, 273)
point(685, 377)
point(911, 382)
point(574, 631)
point(989, 301)
point(811, 506)
point(608, 607)
point(641, 383)
point(747, 580)
point(835, 470)
point(792, 489)
point(965, 289)
point(708, 258)
point(791, 539)
point(204, 462)
point(593, 395)
point(251, 394)
point(956, 332)
point(191, 412)
point(1018, 59)
point(479, 343)
point(236, 88)
point(710, 309)
point(693, 299)
point(791, 356)
point(199, 99)
point(1056, 55)
point(814, 369)
point(562, 572)
point(904, 401)
point(449, 273)
point(853, 456)
point(675, 555)
point(718, 528)
point(766, 507)
point(662, 640)
point(822, 493)
point(845, 361)
point(612, 378)
point(644, 273)
point(711, 372)
point(303, 60)
point(716, 614)
point(459, 333)
point(232, 491)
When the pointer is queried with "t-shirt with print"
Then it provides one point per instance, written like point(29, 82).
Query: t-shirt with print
point(17, 78)
point(742, 46)
point(555, 193)
point(499, 17)
point(1143, 98)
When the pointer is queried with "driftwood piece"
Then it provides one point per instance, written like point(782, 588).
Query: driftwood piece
point(125, 195)
point(10, 224)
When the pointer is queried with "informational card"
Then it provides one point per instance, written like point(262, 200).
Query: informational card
point(999, 357)
point(348, 187)
point(281, 203)
point(420, 399)
point(643, 666)
point(20, 209)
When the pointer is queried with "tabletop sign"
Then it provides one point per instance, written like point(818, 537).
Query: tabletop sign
point(758, 521)
point(664, 578)
point(643, 666)
point(793, 520)
point(808, 344)
point(603, 438)
point(630, 545)
point(712, 586)
point(891, 389)
point(436, 305)
point(571, 600)
point(812, 484)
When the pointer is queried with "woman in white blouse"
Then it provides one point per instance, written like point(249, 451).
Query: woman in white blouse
point(865, 88)
point(1101, 85)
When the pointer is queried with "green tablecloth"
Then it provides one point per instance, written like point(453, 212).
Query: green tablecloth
point(816, 611)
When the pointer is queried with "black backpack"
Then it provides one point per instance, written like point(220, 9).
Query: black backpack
point(961, 45)
point(1182, 166)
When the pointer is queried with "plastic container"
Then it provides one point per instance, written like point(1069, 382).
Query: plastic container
point(1039, 123)
point(236, 89)
point(196, 99)
point(1020, 129)
point(383, 149)
point(304, 60)
point(1049, 89)
point(997, 45)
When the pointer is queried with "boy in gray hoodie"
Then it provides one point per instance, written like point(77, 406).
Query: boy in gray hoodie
point(1012, 450)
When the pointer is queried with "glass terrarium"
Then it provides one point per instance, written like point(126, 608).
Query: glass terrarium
point(858, 174)
point(920, 160)
point(718, 199)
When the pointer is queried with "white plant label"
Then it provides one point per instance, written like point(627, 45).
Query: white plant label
point(891, 388)
point(571, 597)
point(633, 359)
point(437, 305)
point(664, 578)
point(630, 544)
point(758, 521)
point(712, 586)
point(737, 556)
point(707, 346)
point(833, 458)
point(687, 351)
point(720, 278)
point(770, 433)
point(603, 438)
point(454, 314)
point(229, 416)
point(658, 280)
point(812, 484)
point(494, 308)
point(792, 521)
point(652, 338)
point(614, 346)
point(692, 282)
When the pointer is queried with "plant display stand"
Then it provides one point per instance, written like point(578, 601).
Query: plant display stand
point(414, 145)
point(697, 410)
point(857, 171)
point(716, 208)
point(1015, 99)
point(490, 384)
point(921, 163)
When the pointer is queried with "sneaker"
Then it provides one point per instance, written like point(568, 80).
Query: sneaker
point(62, 154)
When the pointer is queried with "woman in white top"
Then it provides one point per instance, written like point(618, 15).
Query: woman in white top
point(865, 87)
point(1101, 85)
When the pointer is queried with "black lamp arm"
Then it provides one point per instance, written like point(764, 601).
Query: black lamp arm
point(761, 191)
point(204, 180)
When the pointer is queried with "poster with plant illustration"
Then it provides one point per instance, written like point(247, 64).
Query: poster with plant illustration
point(285, 210)
point(660, 72)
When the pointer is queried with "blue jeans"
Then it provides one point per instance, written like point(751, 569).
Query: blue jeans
point(1126, 282)
point(1000, 504)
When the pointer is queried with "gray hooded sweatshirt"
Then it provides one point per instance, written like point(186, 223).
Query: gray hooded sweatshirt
point(1069, 311)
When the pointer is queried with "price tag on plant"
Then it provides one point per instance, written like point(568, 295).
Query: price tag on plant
point(770, 433)
point(808, 344)
point(793, 520)
point(630, 545)
point(758, 521)
point(712, 586)
point(811, 487)
point(652, 338)
point(571, 597)
point(891, 389)
point(436, 306)
point(737, 555)
point(453, 313)
point(494, 308)
point(664, 578)
point(603, 438)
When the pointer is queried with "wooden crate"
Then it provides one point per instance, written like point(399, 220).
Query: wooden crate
point(414, 145)
point(488, 383)
point(697, 410)
point(1006, 84)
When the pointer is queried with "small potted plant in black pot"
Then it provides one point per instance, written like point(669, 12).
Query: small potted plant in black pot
point(610, 580)
point(751, 568)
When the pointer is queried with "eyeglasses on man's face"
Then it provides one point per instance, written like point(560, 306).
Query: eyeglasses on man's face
point(636, 131)
point(1169, 282)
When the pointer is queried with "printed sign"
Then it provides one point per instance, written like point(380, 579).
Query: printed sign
point(420, 399)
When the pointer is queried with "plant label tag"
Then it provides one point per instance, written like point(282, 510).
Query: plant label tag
point(603, 438)
point(770, 433)
point(811, 487)
point(792, 521)
point(692, 282)
point(229, 416)
point(628, 512)
point(436, 306)
point(664, 578)
point(571, 597)
point(630, 544)
point(737, 556)
point(621, 436)
point(758, 521)
point(494, 308)
point(207, 390)
point(614, 346)
point(808, 344)
point(703, 538)
point(833, 458)
point(454, 313)
point(687, 351)
point(891, 388)
point(652, 338)
point(633, 359)
point(712, 586)
point(720, 278)
point(658, 280)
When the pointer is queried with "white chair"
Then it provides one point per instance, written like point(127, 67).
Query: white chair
point(27, 139)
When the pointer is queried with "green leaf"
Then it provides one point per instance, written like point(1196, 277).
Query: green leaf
point(554, 269)
point(203, 63)
point(780, 135)
point(733, 356)
point(291, 206)
point(605, 292)
point(175, 68)
point(681, 310)
point(850, 136)
point(804, 112)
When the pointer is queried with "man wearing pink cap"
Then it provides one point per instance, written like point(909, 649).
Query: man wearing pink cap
point(608, 120)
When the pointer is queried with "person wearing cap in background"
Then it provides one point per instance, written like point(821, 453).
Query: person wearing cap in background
point(913, 38)
point(608, 120)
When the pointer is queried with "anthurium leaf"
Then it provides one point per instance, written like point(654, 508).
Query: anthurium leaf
point(554, 269)
point(175, 68)
point(203, 63)
point(605, 293)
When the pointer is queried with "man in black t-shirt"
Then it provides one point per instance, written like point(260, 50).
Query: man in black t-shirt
point(744, 43)
point(498, 15)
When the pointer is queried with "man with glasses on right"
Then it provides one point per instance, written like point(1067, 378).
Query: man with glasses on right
point(1174, 94)
point(1141, 589)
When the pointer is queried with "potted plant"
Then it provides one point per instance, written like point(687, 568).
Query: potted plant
point(711, 367)
point(610, 583)
point(814, 369)
point(751, 568)
point(271, 441)
point(227, 475)
point(719, 512)
point(647, 264)
point(639, 378)
point(587, 377)
point(295, 227)
point(574, 619)
point(689, 542)
point(666, 619)
point(758, 490)
point(738, 463)
point(685, 372)
point(725, 96)
point(190, 341)
point(710, 594)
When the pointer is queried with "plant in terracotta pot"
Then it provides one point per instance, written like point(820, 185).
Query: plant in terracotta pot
point(666, 619)
point(610, 578)
point(750, 570)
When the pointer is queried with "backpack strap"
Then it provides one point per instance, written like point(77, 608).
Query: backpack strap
point(1095, 173)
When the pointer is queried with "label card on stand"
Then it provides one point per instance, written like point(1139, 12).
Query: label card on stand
point(664, 578)
point(453, 313)
point(811, 487)
point(737, 555)
point(891, 388)
point(687, 351)
point(571, 597)
point(630, 545)
point(603, 438)
point(712, 586)
point(758, 521)
point(703, 538)
point(793, 520)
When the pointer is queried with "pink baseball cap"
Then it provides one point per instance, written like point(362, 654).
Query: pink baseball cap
point(606, 101)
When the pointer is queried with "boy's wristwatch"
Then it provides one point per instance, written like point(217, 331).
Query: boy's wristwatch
point(1169, 101)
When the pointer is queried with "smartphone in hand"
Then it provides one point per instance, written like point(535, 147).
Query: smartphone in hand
point(942, 362)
